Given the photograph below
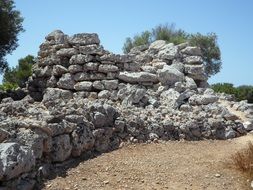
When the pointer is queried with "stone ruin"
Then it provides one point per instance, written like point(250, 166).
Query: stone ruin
point(83, 99)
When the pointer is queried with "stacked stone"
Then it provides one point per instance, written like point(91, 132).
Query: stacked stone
point(92, 101)
point(76, 63)
point(80, 64)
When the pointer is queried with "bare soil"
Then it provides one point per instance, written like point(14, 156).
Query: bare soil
point(170, 165)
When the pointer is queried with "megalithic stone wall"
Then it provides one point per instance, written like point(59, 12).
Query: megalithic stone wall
point(80, 64)
point(85, 100)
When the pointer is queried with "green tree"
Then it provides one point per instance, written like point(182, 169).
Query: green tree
point(208, 44)
point(10, 27)
point(210, 51)
point(18, 75)
point(169, 33)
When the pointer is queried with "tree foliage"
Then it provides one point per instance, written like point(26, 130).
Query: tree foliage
point(169, 33)
point(208, 43)
point(244, 92)
point(10, 27)
point(18, 75)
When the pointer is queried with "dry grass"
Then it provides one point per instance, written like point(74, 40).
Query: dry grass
point(243, 159)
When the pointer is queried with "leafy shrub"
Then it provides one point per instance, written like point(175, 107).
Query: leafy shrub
point(8, 86)
point(241, 92)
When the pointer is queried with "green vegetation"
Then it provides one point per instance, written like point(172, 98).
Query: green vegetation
point(17, 76)
point(10, 27)
point(208, 43)
point(241, 93)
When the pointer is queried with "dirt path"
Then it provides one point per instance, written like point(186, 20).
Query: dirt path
point(171, 165)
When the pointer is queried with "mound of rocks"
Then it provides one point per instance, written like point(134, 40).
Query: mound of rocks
point(86, 100)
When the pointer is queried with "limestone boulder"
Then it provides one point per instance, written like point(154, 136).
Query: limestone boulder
point(189, 50)
point(193, 60)
point(168, 52)
point(61, 148)
point(83, 86)
point(138, 77)
point(84, 39)
point(15, 160)
point(82, 139)
point(66, 82)
point(169, 75)
point(202, 99)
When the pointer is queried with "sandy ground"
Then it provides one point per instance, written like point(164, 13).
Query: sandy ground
point(166, 165)
point(170, 165)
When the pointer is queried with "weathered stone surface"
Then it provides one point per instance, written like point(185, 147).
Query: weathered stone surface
point(138, 77)
point(80, 59)
point(149, 69)
point(179, 66)
point(193, 60)
point(84, 39)
point(110, 84)
point(107, 68)
point(131, 67)
point(52, 95)
point(98, 85)
point(83, 86)
point(61, 149)
point(131, 94)
point(3, 135)
point(157, 45)
point(82, 139)
point(59, 70)
point(14, 160)
point(196, 72)
point(190, 83)
point(105, 94)
point(248, 125)
point(192, 51)
point(66, 82)
point(169, 75)
point(91, 66)
point(66, 52)
point(202, 99)
point(89, 77)
point(33, 141)
point(57, 36)
point(93, 49)
point(168, 52)
point(171, 98)
point(75, 68)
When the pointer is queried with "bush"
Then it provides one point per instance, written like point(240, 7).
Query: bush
point(243, 159)
point(240, 92)
point(169, 34)
point(8, 86)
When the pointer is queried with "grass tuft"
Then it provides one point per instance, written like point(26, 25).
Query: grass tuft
point(243, 159)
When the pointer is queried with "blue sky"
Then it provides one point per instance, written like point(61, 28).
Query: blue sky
point(114, 20)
